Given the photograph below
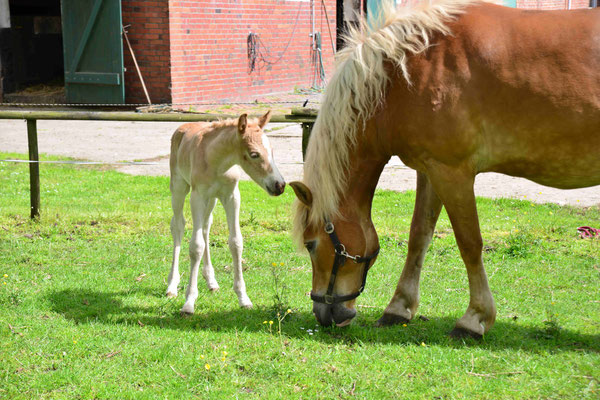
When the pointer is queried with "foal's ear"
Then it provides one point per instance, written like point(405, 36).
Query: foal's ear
point(242, 123)
point(264, 120)
point(302, 192)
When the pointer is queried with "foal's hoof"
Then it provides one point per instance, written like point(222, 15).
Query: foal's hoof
point(462, 333)
point(391, 319)
point(187, 310)
point(171, 295)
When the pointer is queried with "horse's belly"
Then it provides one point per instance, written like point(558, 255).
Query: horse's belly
point(561, 174)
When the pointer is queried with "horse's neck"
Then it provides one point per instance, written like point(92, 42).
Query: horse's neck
point(363, 174)
point(221, 151)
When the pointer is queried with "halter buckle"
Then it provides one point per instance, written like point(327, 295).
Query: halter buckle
point(328, 299)
point(329, 228)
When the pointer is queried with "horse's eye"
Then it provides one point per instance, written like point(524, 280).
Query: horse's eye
point(254, 155)
point(310, 246)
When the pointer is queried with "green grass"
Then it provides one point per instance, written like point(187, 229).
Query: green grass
point(83, 312)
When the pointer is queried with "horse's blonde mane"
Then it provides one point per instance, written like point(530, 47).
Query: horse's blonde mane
point(355, 91)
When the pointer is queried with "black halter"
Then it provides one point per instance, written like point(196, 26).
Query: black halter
point(340, 259)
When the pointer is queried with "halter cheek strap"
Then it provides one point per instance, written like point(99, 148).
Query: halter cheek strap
point(341, 255)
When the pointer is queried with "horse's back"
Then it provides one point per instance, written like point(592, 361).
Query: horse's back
point(517, 92)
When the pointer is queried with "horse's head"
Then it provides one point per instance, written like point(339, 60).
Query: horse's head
point(257, 156)
point(341, 249)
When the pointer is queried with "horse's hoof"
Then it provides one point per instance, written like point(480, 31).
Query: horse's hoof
point(186, 313)
point(391, 319)
point(247, 306)
point(214, 289)
point(461, 333)
point(171, 295)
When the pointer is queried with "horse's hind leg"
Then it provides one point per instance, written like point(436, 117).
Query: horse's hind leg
point(179, 189)
point(231, 203)
point(200, 207)
point(455, 188)
point(404, 304)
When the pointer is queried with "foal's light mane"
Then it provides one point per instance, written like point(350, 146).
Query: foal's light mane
point(355, 91)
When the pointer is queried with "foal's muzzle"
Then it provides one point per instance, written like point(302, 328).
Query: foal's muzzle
point(328, 314)
point(276, 188)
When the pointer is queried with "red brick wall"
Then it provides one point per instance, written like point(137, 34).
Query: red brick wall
point(149, 37)
point(552, 4)
point(209, 60)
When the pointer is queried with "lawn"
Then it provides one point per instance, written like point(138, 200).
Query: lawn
point(83, 312)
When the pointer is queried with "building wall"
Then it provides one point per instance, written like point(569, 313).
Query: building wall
point(149, 37)
point(552, 4)
point(209, 47)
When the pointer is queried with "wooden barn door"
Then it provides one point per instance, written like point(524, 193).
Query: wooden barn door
point(93, 51)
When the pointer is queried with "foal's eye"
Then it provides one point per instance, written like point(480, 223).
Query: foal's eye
point(310, 246)
point(254, 155)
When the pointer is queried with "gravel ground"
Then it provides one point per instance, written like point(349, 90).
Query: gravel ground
point(112, 142)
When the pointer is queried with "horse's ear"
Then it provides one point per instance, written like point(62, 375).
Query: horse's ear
point(242, 123)
point(302, 192)
point(264, 120)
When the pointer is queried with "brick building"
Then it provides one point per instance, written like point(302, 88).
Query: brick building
point(226, 50)
point(188, 51)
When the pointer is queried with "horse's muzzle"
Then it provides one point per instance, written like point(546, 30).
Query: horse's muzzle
point(328, 314)
point(276, 188)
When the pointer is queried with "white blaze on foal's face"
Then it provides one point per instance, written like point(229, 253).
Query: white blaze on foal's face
point(257, 155)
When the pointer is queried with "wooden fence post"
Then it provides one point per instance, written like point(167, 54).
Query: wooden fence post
point(34, 168)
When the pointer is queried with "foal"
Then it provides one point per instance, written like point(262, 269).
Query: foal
point(206, 157)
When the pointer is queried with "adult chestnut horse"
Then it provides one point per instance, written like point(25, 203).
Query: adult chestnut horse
point(453, 88)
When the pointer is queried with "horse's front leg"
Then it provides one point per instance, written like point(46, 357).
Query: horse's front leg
point(200, 205)
point(231, 203)
point(404, 303)
point(455, 188)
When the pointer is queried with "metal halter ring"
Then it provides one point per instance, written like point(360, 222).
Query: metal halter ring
point(329, 228)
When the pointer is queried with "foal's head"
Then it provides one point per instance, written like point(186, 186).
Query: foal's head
point(256, 155)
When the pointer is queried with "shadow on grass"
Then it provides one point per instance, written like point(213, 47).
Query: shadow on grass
point(84, 306)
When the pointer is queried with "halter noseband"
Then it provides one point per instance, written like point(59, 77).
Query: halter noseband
point(340, 259)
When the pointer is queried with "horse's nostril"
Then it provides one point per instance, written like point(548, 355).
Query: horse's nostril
point(280, 186)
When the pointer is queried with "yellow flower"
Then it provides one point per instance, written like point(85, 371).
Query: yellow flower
point(270, 322)
point(202, 356)
point(223, 359)
point(274, 264)
point(423, 344)
point(281, 264)
point(224, 353)
point(6, 276)
point(74, 341)
point(516, 231)
point(289, 311)
point(404, 325)
point(551, 213)
point(207, 367)
point(264, 322)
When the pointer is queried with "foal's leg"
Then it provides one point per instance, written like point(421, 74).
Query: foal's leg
point(455, 188)
point(200, 207)
point(208, 271)
point(179, 189)
point(403, 306)
point(231, 203)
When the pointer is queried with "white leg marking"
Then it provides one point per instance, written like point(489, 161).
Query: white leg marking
point(199, 205)
point(179, 190)
point(231, 204)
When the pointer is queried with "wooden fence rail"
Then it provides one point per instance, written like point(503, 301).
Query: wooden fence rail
point(305, 117)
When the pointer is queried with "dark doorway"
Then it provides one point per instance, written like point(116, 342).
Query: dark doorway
point(31, 53)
